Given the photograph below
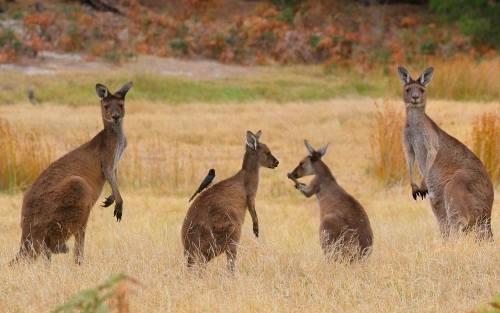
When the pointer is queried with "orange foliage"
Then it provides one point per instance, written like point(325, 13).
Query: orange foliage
point(42, 19)
point(260, 32)
point(37, 43)
point(408, 21)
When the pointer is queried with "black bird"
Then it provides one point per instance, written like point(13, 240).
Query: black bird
point(204, 184)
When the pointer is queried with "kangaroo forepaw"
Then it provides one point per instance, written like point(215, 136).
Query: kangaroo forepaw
point(118, 211)
point(108, 201)
point(423, 192)
point(301, 187)
point(418, 192)
point(256, 230)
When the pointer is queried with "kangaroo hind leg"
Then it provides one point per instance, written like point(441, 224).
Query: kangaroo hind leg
point(463, 209)
point(74, 212)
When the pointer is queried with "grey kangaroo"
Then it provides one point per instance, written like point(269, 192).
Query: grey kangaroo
point(214, 220)
point(345, 231)
point(58, 203)
point(459, 188)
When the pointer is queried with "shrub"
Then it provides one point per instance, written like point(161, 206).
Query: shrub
point(114, 289)
point(389, 165)
point(179, 45)
point(428, 47)
point(478, 19)
point(486, 143)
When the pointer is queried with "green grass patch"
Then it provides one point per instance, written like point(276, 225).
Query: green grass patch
point(274, 85)
point(458, 80)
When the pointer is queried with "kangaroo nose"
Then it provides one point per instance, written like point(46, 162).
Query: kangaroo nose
point(276, 163)
point(415, 97)
point(116, 117)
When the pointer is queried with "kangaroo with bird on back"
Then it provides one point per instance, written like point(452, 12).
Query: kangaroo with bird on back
point(57, 205)
point(214, 220)
point(459, 188)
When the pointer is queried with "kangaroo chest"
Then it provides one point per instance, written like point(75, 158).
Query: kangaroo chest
point(420, 138)
point(121, 144)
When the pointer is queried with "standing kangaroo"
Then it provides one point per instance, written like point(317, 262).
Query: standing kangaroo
point(58, 203)
point(345, 231)
point(459, 188)
point(214, 220)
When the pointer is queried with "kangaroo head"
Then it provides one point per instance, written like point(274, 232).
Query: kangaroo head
point(112, 105)
point(306, 165)
point(259, 149)
point(414, 94)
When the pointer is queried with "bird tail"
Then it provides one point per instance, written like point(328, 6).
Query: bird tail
point(194, 195)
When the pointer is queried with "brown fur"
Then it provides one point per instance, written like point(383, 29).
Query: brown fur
point(58, 203)
point(345, 231)
point(460, 190)
point(214, 220)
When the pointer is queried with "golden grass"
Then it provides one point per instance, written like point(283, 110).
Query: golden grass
point(24, 154)
point(486, 143)
point(389, 164)
point(459, 78)
point(411, 268)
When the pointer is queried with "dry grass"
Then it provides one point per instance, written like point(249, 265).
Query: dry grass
point(460, 78)
point(411, 268)
point(24, 154)
point(389, 164)
point(486, 142)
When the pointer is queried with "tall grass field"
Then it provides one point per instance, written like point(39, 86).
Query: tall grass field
point(170, 148)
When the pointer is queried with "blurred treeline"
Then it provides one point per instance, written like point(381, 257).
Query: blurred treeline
point(335, 32)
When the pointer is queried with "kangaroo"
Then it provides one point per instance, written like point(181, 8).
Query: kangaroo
point(345, 231)
point(58, 203)
point(213, 221)
point(459, 188)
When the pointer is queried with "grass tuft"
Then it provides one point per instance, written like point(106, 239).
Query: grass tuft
point(486, 143)
point(389, 164)
point(24, 156)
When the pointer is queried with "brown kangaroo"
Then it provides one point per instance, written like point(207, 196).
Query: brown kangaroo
point(58, 203)
point(214, 220)
point(459, 188)
point(345, 231)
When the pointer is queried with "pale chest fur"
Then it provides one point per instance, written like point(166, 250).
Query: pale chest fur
point(421, 137)
point(121, 144)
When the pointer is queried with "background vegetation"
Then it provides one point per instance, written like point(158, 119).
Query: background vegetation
point(335, 33)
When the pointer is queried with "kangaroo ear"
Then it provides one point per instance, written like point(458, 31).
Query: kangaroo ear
point(123, 91)
point(258, 134)
point(102, 91)
point(251, 140)
point(322, 150)
point(426, 76)
point(404, 75)
point(310, 149)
